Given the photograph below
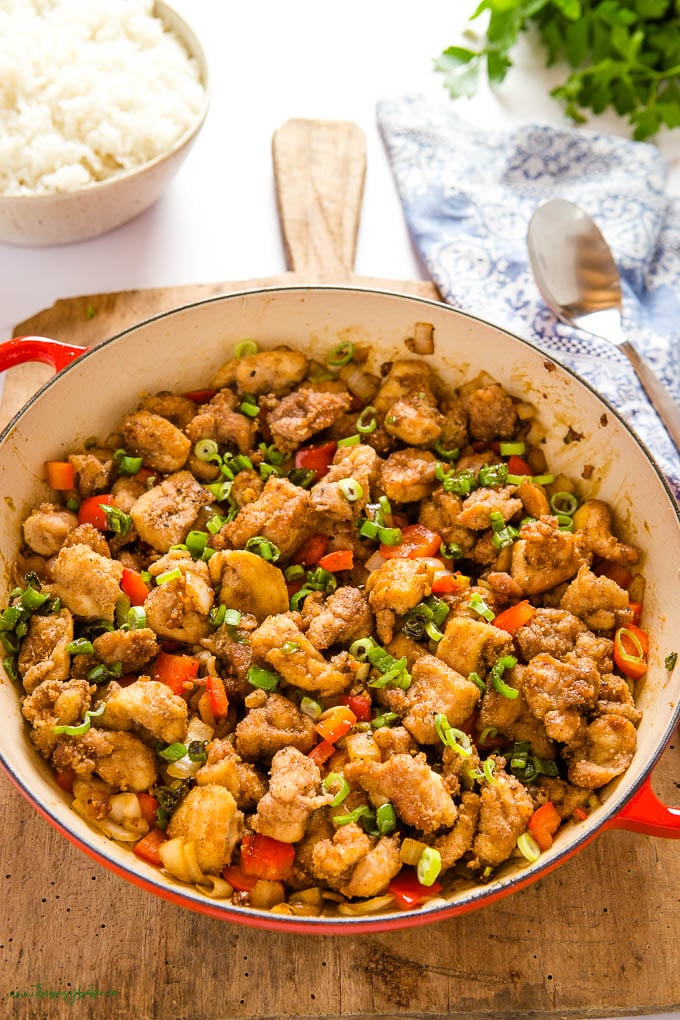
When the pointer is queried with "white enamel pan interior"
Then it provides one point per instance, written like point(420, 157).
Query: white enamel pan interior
point(181, 351)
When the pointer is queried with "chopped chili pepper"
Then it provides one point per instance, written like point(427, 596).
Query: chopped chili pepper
point(311, 550)
point(60, 474)
point(544, 823)
point(322, 752)
point(341, 559)
point(267, 858)
point(631, 645)
point(90, 511)
point(514, 617)
point(175, 671)
point(518, 466)
point(335, 723)
point(416, 540)
point(615, 572)
point(147, 847)
point(408, 891)
point(200, 396)
point(148, 806)
point(65, 780)
point(444, 584)
point(134, 586)
point(636, 610)
point(316, 458)
point(219, 703)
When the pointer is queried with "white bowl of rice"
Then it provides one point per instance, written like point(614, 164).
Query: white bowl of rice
point(99, 105)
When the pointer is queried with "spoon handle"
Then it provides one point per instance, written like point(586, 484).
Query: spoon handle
point(661, 400)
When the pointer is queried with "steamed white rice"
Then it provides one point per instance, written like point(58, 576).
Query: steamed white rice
point(88, 88)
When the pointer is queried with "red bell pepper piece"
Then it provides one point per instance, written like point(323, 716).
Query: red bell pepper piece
point(200, 396)
point(177, 671)
point(90, 511)
point(416, 540)
point(148, 806)
point(316, 458)
point(322, 752)
point(219, 702)
point(65, 780)
point(147, 847)
point(234, 876)
point(134, 586)
point(444, 584)
point(335, 723)
point(359, 704)
point(267, 858)
point(544, 823)
point(518, 466)
point(514, 617)
point(409, 892)
point(615, 572)
point(341, 559)
point(60, 474)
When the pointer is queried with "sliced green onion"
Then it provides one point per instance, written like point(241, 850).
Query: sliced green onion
point(173, 752)
point(169, 575)
point(217, 615)
point(197, 750)
point(512, 449)
point(361, 647)
point(299, 597)
point(460, 483)
point(386, 719)
point(366, 422)
point(302, 477)
point(81, 646)
point(249, 406)
point(349, 441)
point(321, 580)
point(433, 631)
point(220, 490)
point(127, 465)
point(564, 522)
point(264, 548)
point(390, 536)
point(351, 489)
point(101, 673)
point(117, 520)
point(564, 503)
point(244, 348)
point(451, 551)
point(367, 529)
point(353, 816)
point(207, 450)
point(517, 479)
point(452, 737)
point(269, 470)
point(639, 656)
point(497, 670)
point(542, 479)
point(448, 455)
point(136, 618)
point(263, 678)
point(232, 617)
point(340, 355)
point(32, 599)
point(337, 784)
point(290, 647)
point(429, 866)
point(271, 454)
point(528, 847)
point(386, 819)
point(492, 476)
point(196, 542)
point(489, 767)
point(294, 572)
point(311, 708)
point(77, 731)
point(488, 731)
point(477, 603)
point(215, 524)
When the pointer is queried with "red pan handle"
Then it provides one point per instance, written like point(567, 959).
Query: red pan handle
point(645, 813)
point(38, 348)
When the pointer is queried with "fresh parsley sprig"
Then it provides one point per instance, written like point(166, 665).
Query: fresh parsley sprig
point(624, 55)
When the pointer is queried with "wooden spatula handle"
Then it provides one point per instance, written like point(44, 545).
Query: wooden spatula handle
point(319, 168)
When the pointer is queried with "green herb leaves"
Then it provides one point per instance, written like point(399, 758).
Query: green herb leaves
point(625, 56)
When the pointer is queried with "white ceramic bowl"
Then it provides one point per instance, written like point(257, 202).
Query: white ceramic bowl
point(181, 350)
point(87, 212)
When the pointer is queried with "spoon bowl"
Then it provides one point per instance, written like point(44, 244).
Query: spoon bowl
point(578, 279)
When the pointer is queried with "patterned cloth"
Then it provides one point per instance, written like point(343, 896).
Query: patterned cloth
point(468, 195)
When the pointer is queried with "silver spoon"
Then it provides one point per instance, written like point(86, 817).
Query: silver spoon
point(579, 281)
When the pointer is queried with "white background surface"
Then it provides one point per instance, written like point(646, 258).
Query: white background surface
point(271, 61)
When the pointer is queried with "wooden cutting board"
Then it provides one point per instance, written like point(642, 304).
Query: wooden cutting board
point(598, 937)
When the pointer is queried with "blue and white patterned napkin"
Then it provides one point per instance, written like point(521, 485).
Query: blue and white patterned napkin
point(468, 194)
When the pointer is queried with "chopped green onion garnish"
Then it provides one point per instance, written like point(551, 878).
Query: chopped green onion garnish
point(220, 490)
point(488, 731)
point(542, 479)
point(337, 784)
point(32, 599)
point(321, 580)
point(564, 522)
point(117, 520)
point(127, 465)
point(670, 661)
point(196, 542)
point(366, 421)
point(294, 572)
point(367, 529)
point(77, 731)
point(249, 406)
point(429, 866)
point(433, 631)
point(169, 575)
point(101, 673)
point(232, 617)
point(386, 719)
point(302, 477)
point(340, 355)
point(349, 441)
point(351, 489)
point(173, 752)
point(244, 348)
point(452, 737)
point(390, 536)
point(136, 617)
point(492, 475)
point(290, 647)
point(564, 503)
point(215, 524)
point(81, 646)
point(311, 708)
point(197, 750)
point(271, 454)
point(386, 819)
point(217, 615)
point(480, 607)
point(361, 647)
point(450, 551)
point(264, 548)
point(448, 455)
point(512, 449)
point(362, 811)
point(263, 678)
point(497, 670)
point(528, 847)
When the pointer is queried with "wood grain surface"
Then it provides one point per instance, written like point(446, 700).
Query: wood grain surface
point(600, 936)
